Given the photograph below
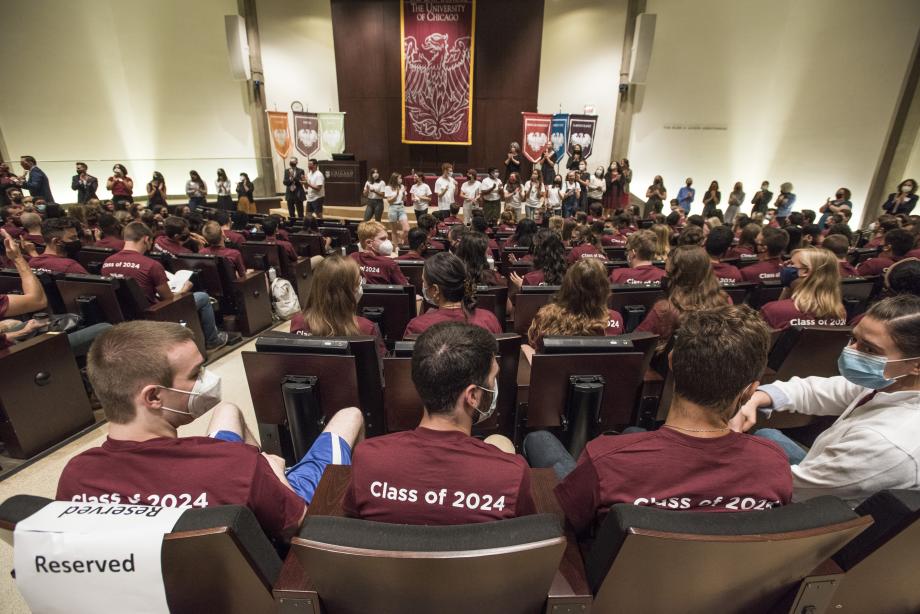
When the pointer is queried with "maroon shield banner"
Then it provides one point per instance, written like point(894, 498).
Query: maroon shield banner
point(581, 132)
point(306, 133)
point(536, 134)
point(438, 38)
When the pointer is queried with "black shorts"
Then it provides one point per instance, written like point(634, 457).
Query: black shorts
point(316, 206)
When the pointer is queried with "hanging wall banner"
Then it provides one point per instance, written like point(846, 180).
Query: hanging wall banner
point(438, 38)
point(536, 134)
point(281, 133)
point(332, 132)
point(581, 132)
point(559, 135)
point(306, 133)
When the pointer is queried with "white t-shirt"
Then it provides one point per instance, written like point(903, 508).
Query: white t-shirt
point(514, 197)
point(399, 194)
point(444, 202)
point(491, 184)
point(554, 197)
point(376, 190)
point(318, 179)
point(469, 192)
point(574, 186)
point(596, 187)
point(532, 193)
point(420, 191)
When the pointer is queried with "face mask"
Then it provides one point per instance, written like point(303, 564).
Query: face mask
point(485, 415)
point(582, 167)
point(427, 298)
point(242, 179)
point(205, 395)
point(865, 369)
point(787, 275)
point(599, 173)
point(385, 248)
point(905, 188)
point(491, 263)
point(359, 293)
point(293, 165)
point(72, 248)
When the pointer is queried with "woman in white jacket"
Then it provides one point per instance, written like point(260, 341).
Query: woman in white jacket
point(875, 442)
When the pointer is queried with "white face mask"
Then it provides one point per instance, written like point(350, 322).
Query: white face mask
point(485, 415)
point(359, 292)
point(205, 394)
point(427, 297)
point(906, 188)
point(385, 248)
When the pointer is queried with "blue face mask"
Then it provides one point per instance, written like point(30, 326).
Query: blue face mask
point(865, 369)
point(787, 275)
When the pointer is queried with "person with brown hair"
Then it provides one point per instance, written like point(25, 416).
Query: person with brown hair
point(586, 243)
point(895, 245)
point(691, 286)
point(840, 247)
point(473, 250)
point(662, 241)
point(330, 308)
point(747, 242)
point(640, 249)
point(695, 461)
point(771, 244)
point(214, 235)
point(579, 308)
point(548, 261)
point(816, 297)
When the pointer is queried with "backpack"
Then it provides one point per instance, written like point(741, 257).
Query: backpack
point(284, 299)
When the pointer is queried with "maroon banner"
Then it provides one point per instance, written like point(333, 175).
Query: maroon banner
point(306, 133)
point(536, 134)
point(438, 38)
point(581, 132)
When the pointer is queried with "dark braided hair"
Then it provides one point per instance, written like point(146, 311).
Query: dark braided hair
point(472, 251)
point(448, 273)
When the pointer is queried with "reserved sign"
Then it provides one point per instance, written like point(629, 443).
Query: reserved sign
point(93, 557)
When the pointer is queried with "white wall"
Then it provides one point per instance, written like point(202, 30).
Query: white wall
point(580, 63)
point(804, 90)
point(104, 81)
point(913, 163)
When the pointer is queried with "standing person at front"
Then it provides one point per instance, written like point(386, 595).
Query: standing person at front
point(711, 200)
point(570, 192)
point(315, 183)
point(197, 191)
point(421, 195)
point(156, 190)
point(35, 180)
point(625, 179)
point(224, 200)
point(513, 160)
point(446, 188)
point(735, 200)
point(534, 195)
point(121, 186)
point(244, 190)
point(395, 195)
point(375, 258)
point(514, 196)
point(438, 474)
point(548, 164)
point(470, 193)
point(294, 191)
point(903, 200)
point(686, 195)
point(613, 187)
point(374, 192)
point(84, 184)
point(784, 203)
point(656, 195)
point(597, 186)
point(491, 191)
point(762, 199)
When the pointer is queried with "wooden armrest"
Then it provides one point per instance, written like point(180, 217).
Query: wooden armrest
point(170, 303)
point(294, 584)
point(249, 275)
point(652, 376)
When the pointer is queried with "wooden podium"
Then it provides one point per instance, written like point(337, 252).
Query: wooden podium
point(344, 181)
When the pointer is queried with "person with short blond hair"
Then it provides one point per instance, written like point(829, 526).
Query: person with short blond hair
point(375, 258)
point(640, 249)
point(214, 235)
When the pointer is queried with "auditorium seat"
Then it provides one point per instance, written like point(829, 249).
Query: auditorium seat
point(857, 293)
point(494, 299)
point(881, 563)
point(740, 291)
point(412, 269)
point(92, 258)
point(216, 559)
point(527, 303)
point(11, 283)
point(261, 256)
point(507, 252)
point(390, 307)
point(358, 566)
point(765, 293)
point(646, 559)
point(42, 400)
point(307, 244)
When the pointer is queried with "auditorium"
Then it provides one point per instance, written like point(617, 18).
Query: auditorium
point(450, 306)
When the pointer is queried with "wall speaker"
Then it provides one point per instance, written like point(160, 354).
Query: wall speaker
point(237, 47)
point(643, 37)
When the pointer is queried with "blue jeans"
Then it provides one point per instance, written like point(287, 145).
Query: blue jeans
point(81, 339)
point(206, 315)
point(793, 450)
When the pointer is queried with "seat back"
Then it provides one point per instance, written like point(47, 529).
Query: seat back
point(74, 289)
point(507, 566)
point(808, 350)
point(856, 293)
point(341, 237)
point(507, 252)
point(399, 306)
point(412, 269)
point(210, 277)
point(622, 295)
point(11, 283)
point(494, 299)
point(766, 292)
point(740, 291)
point(216, 559)
point(713, 562)
point(615, 253)
point(261, 256)
point(307, 244)
point(527, 303)
point(92, 258)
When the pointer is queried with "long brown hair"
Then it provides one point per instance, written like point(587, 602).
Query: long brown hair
point(329, 310)
point(819, 292)
point(691, 281)
point(579, 308)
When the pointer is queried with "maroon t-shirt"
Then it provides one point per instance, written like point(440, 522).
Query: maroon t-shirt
point(726, 273)
point(379, 269)
point(48, 263)
point(875, 266)
point(642, 275)
point(147, 272)
point(671, 470)
point(613, 328)
point(847, 269)
point(780, 315)
point(4, 307)
point(234, 236)
point(233, 255)
point(480, 317)
point(14, 230)
point(286, 246)
point(534, 278)
point(739, 251)
point(585, 250)
point(617, 239)
point(111, 243)
point(299, 326)
point(182, 472)
point(765, 270)
point(914, 253)
point(34, 239)
point(169, 246)
point(434, 477)
point(411, 255)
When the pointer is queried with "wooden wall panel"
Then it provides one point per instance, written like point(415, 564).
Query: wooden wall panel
point(505, 81)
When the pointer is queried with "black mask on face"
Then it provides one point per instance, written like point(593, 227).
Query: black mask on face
point(72, 248)
point(182, 238)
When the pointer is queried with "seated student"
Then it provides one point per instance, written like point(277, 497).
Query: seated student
point(771, 244)
point(177, 237)
point(479, 224)
point(33, 295)
point(150, 381)
point(473, 250)
point(377, 267)
point(418, 242)
point(223, 218)
point(446, 285)
point(640, 249)
point(523, 235)
point(898, 243)
point(329, 311)
point(840, 247)
point(32, 228)
point(11, 218)
point(451, 219)
point(62, 244)
point(579, 308)
point(587, 245)
point(619, 231)
point(883, 226)
point(811, 235)
point(429, 224)
point(548, 262)
point(695, 461)
point(506, 221)
point(816, 296)
point(902, 277)
point(873, 445)
point(215, 247)
point(717, 244)
point(109, 233)
point(131, 262)
point(437, 474)
point(273, 235)
point(691, 235)
point(747, 242)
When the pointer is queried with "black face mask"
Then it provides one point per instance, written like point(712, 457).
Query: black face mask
point(182, 238)
point(72, 248)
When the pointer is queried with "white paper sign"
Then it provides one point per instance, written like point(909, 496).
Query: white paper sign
point(92, 557)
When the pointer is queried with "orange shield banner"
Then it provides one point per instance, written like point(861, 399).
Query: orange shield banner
point(280, 131)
